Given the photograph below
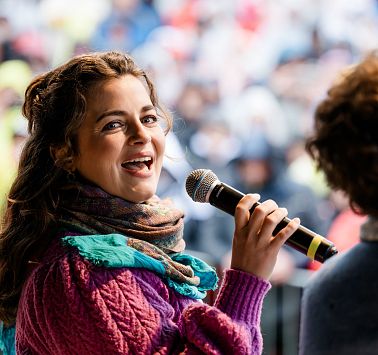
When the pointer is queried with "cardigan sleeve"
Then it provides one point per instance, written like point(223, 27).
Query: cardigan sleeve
point(232, 326)
point(70, 306)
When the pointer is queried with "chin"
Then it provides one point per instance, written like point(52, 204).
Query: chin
point(138, 197)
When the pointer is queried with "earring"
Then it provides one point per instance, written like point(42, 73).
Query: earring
point(71, 177)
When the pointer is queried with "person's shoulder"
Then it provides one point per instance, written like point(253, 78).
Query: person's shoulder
point(339, 307)
point(349, 270)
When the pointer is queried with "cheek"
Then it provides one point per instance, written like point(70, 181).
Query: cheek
point(103, 146)
point(98, 152)
point(160, 146)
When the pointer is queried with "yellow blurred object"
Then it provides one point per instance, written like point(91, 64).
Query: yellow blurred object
point(15, 74)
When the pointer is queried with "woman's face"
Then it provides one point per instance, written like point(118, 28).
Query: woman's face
point(121, 142)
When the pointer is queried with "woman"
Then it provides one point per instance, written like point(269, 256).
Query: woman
point(339, 306)
point(92, 261)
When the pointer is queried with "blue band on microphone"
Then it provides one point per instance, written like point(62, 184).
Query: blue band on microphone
point(197, 184)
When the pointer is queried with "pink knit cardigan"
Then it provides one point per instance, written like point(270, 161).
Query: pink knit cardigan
point(70, 306)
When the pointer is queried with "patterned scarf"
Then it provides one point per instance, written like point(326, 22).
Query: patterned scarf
point(90, 210)
point(153, 228)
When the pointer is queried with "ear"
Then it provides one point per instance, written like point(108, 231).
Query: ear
point(63, 157)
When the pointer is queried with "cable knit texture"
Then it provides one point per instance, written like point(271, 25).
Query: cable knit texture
point(70, 306)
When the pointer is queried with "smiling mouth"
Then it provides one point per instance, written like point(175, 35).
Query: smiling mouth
point(138, 164)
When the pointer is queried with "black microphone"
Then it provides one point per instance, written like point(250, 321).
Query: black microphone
point(202, 185)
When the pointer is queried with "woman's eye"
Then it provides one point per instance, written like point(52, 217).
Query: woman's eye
point(112, 125)
point(149, 119)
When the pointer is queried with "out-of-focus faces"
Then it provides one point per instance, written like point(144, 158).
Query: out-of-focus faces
point(254, 173)
point(121, 142)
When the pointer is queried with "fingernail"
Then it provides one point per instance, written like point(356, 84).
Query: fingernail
point(256, 196)
point(297, 220)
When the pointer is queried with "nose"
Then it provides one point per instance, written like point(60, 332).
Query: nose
point(138, 134)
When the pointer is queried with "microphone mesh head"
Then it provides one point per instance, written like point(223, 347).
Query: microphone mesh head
point(198, 184)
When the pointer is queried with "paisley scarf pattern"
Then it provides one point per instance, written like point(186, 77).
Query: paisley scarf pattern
point(90, 210)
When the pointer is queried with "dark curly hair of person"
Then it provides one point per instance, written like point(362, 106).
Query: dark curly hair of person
point(344, 144)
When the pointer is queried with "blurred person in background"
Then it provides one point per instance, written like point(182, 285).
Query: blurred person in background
point(345, 224)
point(345, 228)
point(175, 170)
point(197, 105)
point(31, 47)
point(302, 169)
point(208, 141)
point(339, 306)
point(6, 49)
point(91, 260)
point(14, 77)
point(126, 26)
point(261, 168)
point(258, 108)
point(213, 146)
point(189, 109)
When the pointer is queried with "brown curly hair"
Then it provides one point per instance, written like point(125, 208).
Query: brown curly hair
point(55, 104)
point(345, 140)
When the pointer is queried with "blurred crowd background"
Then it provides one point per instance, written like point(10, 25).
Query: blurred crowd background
point(242, 79)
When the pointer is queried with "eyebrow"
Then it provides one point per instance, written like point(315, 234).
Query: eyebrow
point(122, 113)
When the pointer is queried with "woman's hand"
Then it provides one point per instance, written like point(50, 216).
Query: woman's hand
point(254, 249)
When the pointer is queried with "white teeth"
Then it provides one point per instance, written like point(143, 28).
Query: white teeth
point(139, 160)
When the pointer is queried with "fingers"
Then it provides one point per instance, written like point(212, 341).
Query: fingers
point(268, 215)
point(254, 248)
point(271, 216)
point(283, 235)
point(242, 214)
point(264, 218)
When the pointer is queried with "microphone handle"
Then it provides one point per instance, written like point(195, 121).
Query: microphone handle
point(303, 239)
